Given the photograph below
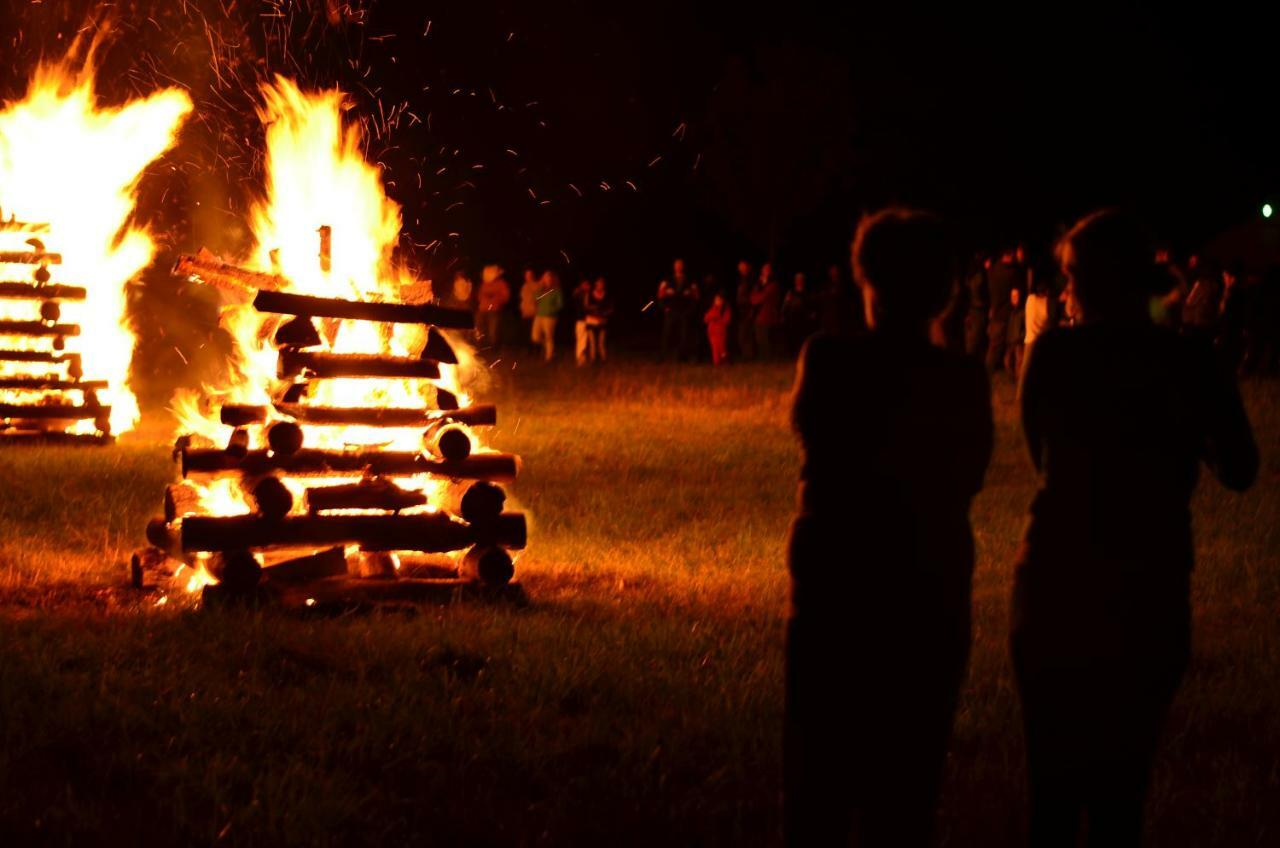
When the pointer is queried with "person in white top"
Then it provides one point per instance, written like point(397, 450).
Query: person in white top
point(1037, 313)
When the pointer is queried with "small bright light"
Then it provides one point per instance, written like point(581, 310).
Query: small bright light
point(1267, 210)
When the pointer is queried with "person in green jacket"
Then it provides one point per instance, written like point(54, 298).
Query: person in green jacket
point(550, 302)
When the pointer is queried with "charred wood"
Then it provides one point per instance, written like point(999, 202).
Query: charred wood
point(37, 328)
point(329, 365)
point(484, 466)
point(367, 494)
point(31, 291)
point(396, 313)
point(430, 533)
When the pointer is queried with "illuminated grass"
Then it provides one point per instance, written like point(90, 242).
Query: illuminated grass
point(638, 701)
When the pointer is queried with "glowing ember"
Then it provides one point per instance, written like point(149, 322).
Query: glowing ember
point(72, 164)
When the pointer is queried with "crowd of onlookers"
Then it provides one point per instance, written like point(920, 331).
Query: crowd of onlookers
point(541, 302)
point(1004, 302)
point(1001, 303)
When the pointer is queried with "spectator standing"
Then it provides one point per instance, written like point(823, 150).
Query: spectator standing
point(766, 301)
point(550, 301)
point(599, 308)
point(1002, 278)
point(529, 290)
point(881, 544)
point(581, 297)
point(492, 299)
point(975, 321)
point(678, 298)
point(1118, 415)
point(745, 317)
point(1016, 334)
point(799, 314)
point(717, 319)
point(841, 309)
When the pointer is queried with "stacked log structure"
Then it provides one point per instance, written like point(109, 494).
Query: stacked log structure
point(345, 524)
point(43, 394)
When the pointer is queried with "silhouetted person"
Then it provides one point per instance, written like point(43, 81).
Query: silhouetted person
point(896, 436)
point(1002, 277)
point(975, 321)
point(799, 314)
point(678, 299)
point(1118, 413)
point(744, 316)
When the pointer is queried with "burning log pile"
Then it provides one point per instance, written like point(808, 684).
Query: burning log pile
point(43, 393)
point(329, 520)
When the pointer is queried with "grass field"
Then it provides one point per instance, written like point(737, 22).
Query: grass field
point(638, 700)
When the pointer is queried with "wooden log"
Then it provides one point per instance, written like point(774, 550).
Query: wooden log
point(395, 313)
point(39, 356)
point(476, 415)
point(151, 560)
point(491, 565)
point(37, 328)
point(447, 441)
point(429, 533)
point(446, 399)
point(238, 444)
point(297, 333)
point(438, 348)
point(238, 570)
point(180, 500)
point(367, 494)
point(208, 268)
point(50, 384)
point(31, 291)
point(348, 365)
point(69, 412)
point(364, 416)
point(387, 416)
point(285, 438)
point(483, 466)
point(272, 497)
point(29, 257)
point(327, 563)
point(44, 437)
point(427, 566)
point(242, 415)
point(482, 502)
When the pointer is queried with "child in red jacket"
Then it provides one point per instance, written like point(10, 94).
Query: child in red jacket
point(717, 320)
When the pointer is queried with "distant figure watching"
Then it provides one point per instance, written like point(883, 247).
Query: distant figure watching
point(1118, 414)
point(896, 434)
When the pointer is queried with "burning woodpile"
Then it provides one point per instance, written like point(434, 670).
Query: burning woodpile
point(69, 169)
point(341, 461)
point(44, 393)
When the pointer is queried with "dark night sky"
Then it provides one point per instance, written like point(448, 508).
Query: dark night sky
point(743, 130)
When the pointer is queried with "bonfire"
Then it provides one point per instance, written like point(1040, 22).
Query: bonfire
point(340, 459)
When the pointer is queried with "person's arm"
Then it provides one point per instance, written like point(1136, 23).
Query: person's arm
point(1031, 394)
point(1230, 450)
point(812, 392)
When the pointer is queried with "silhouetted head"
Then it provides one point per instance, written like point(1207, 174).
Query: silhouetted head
point(797, 282)
point(677, 267)
point(744, 268)
point(902, 263)
point(530, 275)
point(600, 287)
point(1110, 266)
point(766, 272)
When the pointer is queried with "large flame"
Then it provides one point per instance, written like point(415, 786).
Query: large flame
point(71, 163)
point(318, 177)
